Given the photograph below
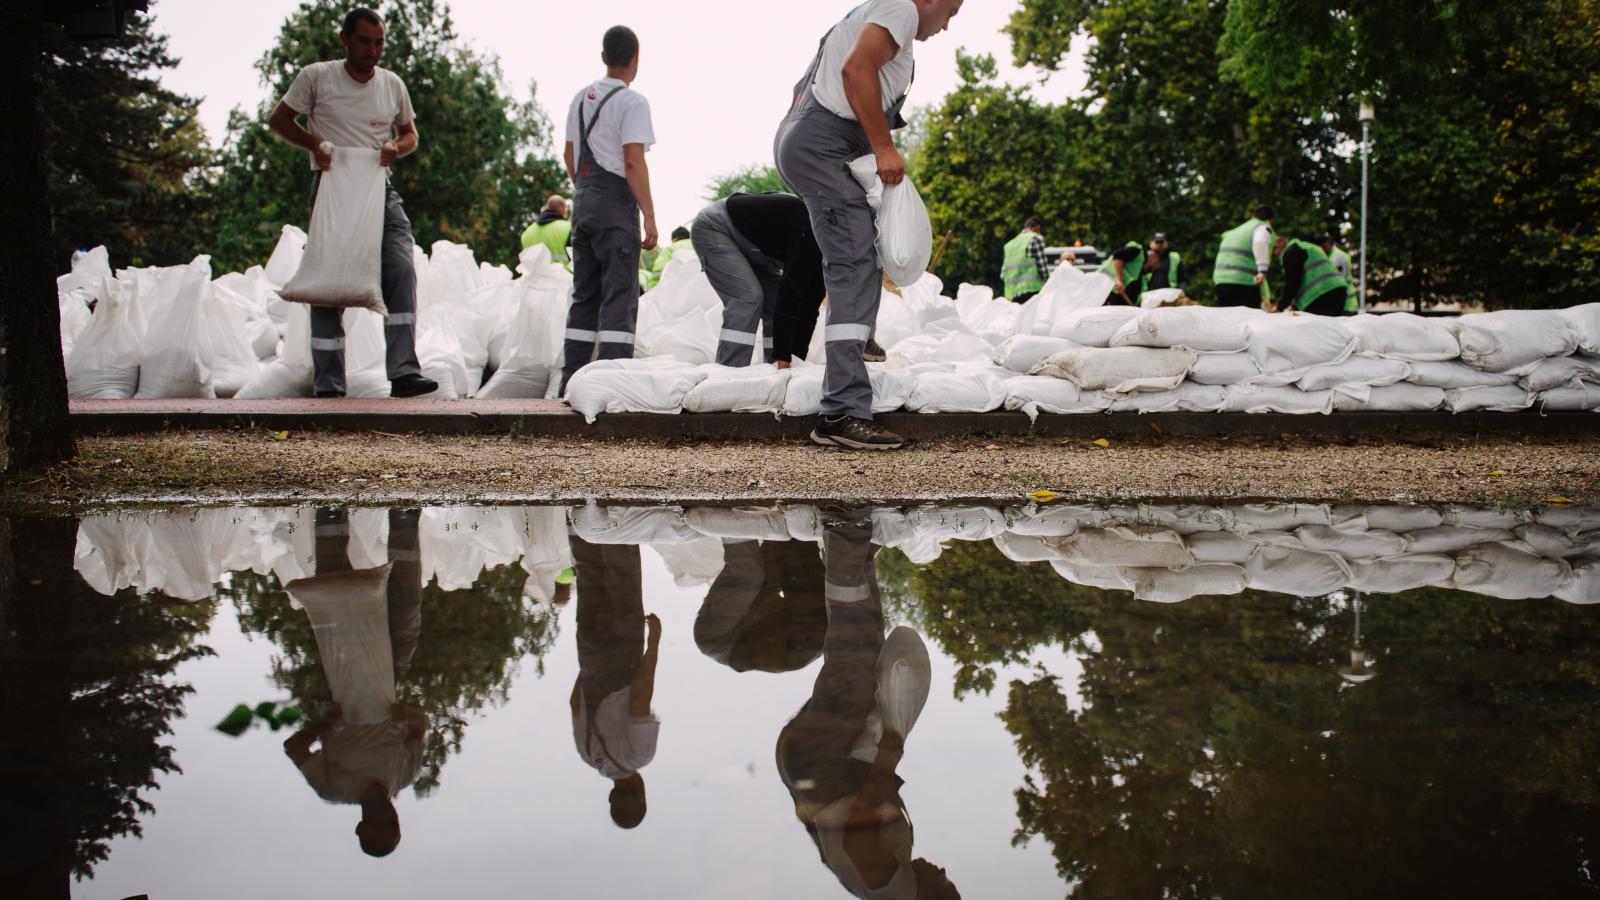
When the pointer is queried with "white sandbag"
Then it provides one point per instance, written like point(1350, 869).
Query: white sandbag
point(1057, 520)
point(1350, 543)
point(1178, 585)
point(1200, 328)
point(1120, 370)
point(286, 256)
point(1454, 374)
point(1355, 372)
point(1402, 518)
point(1290, 570)
point(1552, 542)
point(176, 364)
point(617, 525)
point(682, 319)
point(1106, 578)
point(692, 564)
point(1578, 520)
point(1250, 398)
point(1186, 397)
point(1023, 353)
point(1562, 371)
point(1500, 570)
point(1585, 322)
point(890, 389)
point(653, 385)
point(366, 368)
point(104, 364)
point(804, 523)
point(943, 348)
point(456, 544)
point(1403, 336)
point(1291, 342)
point(243, 297)
point(963, 390)
point(1402, 397)
point(1124, 546)
point(1570, 399)
point(79, 291)
point(1023, 548)
point(1508, 339)
point(1253, 517)
point(745, 523)
point(440, 353)
point(1221, 547)
point(343, 258)
point(752, 389)
point(1068, 289)
point(223, 336)
point(472, 330)
point(1224, 369)
point(1449, 539)
point(451, 276)
point(893, 528)
point(546, 549)
point(1160, 297)
point(1091, 327)
point(1584, 586)
point(530, 356)
point(994, 321)
point(1035, 394)
point(1485, 517)
point(905, 233)
point(1394, 574)
point(290, 375)
point(1492, 399)
point(957, 523)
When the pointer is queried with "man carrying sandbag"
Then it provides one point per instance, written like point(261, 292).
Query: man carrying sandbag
point(758, 252)
point(608, 131)
point(354, 103)
point(844, 108)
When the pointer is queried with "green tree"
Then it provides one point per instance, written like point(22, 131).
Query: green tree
point(751, 179)
point(484, 165)
point(127, 158)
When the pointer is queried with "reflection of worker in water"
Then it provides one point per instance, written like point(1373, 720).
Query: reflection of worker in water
point(766, 610)
point(612, 723)
point(839, 754)
point(367, 623)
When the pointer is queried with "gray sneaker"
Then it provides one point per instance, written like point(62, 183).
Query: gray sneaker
point(873, 352)
point(854, 434)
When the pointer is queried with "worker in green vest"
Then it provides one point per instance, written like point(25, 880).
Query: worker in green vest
point(651, 276)
point(552, 230)
point(1167, 270)
point(1126, 268)
point(1342, 262)
point(1310, 282)
point(1025, 269)
point(1244, 258)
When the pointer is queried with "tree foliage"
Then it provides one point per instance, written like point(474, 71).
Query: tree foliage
point(127, 158)
point(483, 167)
point(751, 179)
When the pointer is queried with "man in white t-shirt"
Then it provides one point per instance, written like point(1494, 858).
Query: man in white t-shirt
point(844, 108)
point(608, 131)
point(354, 103)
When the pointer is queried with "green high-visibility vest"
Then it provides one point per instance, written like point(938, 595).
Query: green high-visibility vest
point(1320, 276)
point(650, 276)
point(1342, 262)
point(1173, 261)
point(1131, 272)
point(1236, 259)
point(553, 235)
point(1020, 273)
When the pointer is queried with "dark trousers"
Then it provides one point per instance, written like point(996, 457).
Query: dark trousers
point(1239, 295)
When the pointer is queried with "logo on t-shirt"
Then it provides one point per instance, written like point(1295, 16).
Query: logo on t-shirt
point(377, 123)
point(594, 95)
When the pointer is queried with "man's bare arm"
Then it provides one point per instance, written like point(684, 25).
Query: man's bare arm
point(873, 50)
point(639, 182)
point(404, 144)
point(285, 123)
point(572, 166)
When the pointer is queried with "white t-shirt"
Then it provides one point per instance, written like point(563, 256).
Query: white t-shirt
point(345, 112)
point(899, 18)
point(615, 743)
point(625, 120)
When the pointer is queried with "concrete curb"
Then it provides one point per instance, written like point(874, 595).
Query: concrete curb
point(552, 418)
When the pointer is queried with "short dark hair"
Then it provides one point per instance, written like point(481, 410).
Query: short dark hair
point(1033, 222)
point(680, 233)
point(358, 15)
point(1264, 213)
point(619, 46)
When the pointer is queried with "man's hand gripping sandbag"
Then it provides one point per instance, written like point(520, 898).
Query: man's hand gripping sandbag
point(342, 266)
point(905, 234)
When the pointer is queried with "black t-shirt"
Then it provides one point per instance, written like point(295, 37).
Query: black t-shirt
point(779, 226)
point(1294, 272)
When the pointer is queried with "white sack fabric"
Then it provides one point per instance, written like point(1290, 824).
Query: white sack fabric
point(890, 389)
point(1023, 353)
point(905, 233)
point(1035, 394)
point(1492, 399)
point(963, 390)
point(654, 385)
point(1585, 322)
point(1289, 342)
point(1454, 374)
point(173, 365)
point(343, 258)
point(1224, 369)
point(1092, 327)
point(1120, 370)
point(104, 364)
point(752, 389)
point(1509, 339)
point(1191, 328)
point(1403, 336)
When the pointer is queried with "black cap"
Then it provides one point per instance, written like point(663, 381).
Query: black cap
point(1159, 238)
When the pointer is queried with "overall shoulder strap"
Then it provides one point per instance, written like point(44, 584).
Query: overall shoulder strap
point(584, 129)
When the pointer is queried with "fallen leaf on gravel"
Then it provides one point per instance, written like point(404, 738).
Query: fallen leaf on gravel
point(1156, 428)
point(1187, 475)
point(1560, 501)
point(1044, 496)
point(1497, 473)
point(280, 435)
point(991, 447)
point(1102, 442)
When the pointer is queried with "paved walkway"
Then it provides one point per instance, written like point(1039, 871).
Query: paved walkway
point(553, 418)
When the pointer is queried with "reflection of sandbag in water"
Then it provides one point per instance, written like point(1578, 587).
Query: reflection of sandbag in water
point(904, 677)
point(1401, 573)
point(546, 551)
point(458, 544)
point(1140, 548)
point(1500, 570)
point(1304, 573)
point(1350, 543)
point(692, 563)
point(1584, 588)
point(598, 524)
point(748, 523)
point(1178, 585)
point(1452, 538)
point(1221, 547)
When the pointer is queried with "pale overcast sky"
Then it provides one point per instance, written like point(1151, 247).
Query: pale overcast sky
point(717, 72)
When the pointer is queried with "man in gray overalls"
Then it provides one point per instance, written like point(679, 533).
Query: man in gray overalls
point(844, 108)
point(608, 131)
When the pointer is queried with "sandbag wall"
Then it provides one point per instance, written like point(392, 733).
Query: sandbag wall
point(1161, 553)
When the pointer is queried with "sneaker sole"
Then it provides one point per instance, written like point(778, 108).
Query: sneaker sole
point(857, 445)
point(822, 440)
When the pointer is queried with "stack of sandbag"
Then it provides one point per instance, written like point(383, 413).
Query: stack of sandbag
point(528, 362)
point(681, 318)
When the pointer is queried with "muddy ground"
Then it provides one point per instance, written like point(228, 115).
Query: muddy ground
point(254, 465)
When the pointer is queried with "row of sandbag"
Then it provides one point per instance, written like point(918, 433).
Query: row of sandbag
point(176, 333)
point(1160, 552)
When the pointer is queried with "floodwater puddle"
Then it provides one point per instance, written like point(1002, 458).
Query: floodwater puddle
point(797, 701)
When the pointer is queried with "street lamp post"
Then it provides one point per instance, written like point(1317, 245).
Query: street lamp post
point(1368, 114)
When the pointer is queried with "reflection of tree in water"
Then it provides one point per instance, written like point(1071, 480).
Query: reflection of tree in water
point(471, 645)
point(1216, 752)
point(88, 694)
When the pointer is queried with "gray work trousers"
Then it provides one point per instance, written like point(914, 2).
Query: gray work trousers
point(746, 280)
point(399, 282)
point(605, 273)
point(813, 151)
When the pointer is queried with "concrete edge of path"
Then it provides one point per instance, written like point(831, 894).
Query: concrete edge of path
point(554, 419)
